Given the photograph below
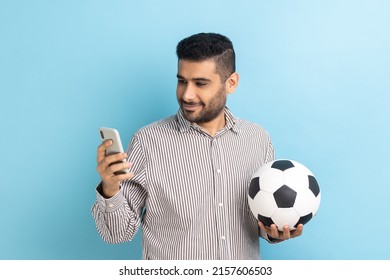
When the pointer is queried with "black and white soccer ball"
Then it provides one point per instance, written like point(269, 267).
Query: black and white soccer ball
point(284, 192)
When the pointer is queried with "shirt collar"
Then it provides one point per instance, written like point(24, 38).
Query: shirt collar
point(185, 125)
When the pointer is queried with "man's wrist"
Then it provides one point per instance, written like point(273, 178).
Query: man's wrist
point(105, 193)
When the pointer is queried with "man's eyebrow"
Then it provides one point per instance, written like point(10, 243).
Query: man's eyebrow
point(200, 79)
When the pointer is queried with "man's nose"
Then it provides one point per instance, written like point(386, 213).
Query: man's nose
point(189, 93)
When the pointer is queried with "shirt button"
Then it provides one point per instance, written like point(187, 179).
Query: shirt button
point(223, 237)
point(218, 171)
point(220, 204)
point(110, 205)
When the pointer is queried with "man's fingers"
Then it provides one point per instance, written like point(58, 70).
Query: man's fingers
point(286, 232)
point(274, 231)
point(264, 228)
point(101, 152)
point(271, 230)
point(261, 225)
point(119, 166)
point(126, 176)
point(112, 159)
point(298, 231)
point(109, 164)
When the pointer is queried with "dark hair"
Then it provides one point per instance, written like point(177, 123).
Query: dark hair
point(204, 46)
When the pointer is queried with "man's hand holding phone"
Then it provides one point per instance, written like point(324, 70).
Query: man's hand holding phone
point(110, 168)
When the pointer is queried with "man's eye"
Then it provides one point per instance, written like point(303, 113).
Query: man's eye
point(182, 82)
point(201, 84)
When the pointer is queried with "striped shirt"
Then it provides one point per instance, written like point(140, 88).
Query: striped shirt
point(189, 191)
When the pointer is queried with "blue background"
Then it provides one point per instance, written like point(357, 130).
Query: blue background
point(315, 74)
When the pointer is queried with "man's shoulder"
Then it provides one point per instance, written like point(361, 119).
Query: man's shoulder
point(167, 123)
point(249, 126)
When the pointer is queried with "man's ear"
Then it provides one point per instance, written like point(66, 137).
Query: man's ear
point(232, 82)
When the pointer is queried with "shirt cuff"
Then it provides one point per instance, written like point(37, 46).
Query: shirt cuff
point(109, 204)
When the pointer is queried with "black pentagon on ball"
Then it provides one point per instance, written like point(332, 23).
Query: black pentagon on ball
point(313, 186)
point(267, 221)
point(282, 164)
point(285, 197)
point(254, 187)
point(304, 219)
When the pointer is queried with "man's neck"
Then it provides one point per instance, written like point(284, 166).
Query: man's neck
point(215, 125)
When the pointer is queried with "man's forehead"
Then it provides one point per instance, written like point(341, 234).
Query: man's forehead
point(197, 68)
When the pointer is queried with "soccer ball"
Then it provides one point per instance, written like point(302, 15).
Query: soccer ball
point(284, 192)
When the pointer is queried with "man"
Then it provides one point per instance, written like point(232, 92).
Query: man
point(190, 172)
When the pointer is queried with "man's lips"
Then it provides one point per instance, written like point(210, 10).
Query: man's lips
point(190, 106)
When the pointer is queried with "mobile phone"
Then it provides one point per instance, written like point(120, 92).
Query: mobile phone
point(107, 133)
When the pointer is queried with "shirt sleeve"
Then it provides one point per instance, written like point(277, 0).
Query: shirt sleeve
point(118, 218)
point(270, 155)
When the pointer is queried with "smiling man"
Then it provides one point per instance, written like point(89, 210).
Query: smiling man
point(202, 93)
point(190, 172)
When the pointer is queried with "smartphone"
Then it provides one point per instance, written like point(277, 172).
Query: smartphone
point(107, 133)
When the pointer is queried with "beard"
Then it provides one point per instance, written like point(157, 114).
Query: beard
point(208, 111)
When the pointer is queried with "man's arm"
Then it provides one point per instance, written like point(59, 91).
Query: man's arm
point(120, 199)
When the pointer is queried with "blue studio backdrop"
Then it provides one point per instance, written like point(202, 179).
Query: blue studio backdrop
point(315, 74)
